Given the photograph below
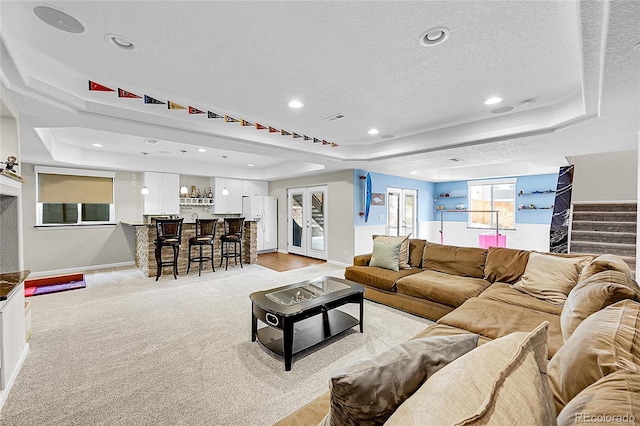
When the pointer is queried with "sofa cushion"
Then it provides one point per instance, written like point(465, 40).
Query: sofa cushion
point(416, 249)
point(446, 330)
point(309, 414)
point(495, 319)
point(462, 261)
point(614, 399)
point(381, 278)
point(502, 382)
point(369, 391)
point(403, 258)
point(593, 294)
point(603, 343)
point(605, 262)
point(503, 292)
point(451, 290)
point(386, 254)
point(505, 264)
point(550, 277)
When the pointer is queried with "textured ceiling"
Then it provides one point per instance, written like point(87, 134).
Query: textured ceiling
point(361, 59)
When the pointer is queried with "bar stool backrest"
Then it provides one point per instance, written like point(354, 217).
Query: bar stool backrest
point(234, 226)
point(169, 229)
point(206, 227)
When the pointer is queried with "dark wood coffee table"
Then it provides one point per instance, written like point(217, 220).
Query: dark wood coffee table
point(292, 314)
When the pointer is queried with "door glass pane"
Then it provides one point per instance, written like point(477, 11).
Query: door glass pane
point(317, 221)
point(393, 213)
point(409, 212)
point(296, 219)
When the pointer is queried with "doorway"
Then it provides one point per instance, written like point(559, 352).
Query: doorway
point(402, 208)
point(307, 221)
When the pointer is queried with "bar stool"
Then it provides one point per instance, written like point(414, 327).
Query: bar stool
point(205, 234)
point(233, 230)
point(169, 234)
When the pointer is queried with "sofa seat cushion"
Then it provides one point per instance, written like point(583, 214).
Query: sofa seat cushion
point(451, 290)
point(309, 414)
point(503, 292)
point(505, 264)
point(446, 330)
point(462, 261)
point(373, 276)
point(495, 319)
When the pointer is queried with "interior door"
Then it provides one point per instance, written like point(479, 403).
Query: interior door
point(402, 209)
point(307, 221)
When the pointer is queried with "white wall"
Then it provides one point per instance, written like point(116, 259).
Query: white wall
point(339, 217)
point(51, 251)
point(610, 176)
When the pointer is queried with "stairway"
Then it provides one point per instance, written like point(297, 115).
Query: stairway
point(605, 228)
point(317, 211)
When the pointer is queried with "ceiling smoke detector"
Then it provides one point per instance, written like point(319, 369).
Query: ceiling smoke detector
point(335, 117)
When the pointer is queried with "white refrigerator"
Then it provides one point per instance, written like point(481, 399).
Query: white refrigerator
point(264, 210)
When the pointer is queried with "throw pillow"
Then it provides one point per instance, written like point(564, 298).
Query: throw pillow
point(605, 262)
point(550, 277)
point(502, 382)
point(386, 255)
point(369, 391)
point(614, 399)
point(505, 265)
point(593, 294)
point(461, 261)
point(605, 342)
point(403, 262)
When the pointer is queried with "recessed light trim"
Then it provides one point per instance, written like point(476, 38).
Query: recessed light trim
point(202, 150)
point(434, 36)
point(120, 41)
point(493, 100)
point(502, 110)
point(58, 19)
point(97, 145)
point(373, 131)
point(295, 104)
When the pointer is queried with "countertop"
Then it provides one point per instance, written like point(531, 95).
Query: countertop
point(10, 281)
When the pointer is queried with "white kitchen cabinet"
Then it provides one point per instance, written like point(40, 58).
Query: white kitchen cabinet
point(164, 193)
point(254, 188)
point(227, 204)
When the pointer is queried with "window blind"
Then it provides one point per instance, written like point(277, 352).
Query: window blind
point(63, 189)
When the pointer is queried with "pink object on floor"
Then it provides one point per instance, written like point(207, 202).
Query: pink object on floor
point(489, 240)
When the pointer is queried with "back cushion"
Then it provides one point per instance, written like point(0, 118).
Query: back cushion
point(605, 262)
point(505, 265)
point(462, 261)
point(416, 249)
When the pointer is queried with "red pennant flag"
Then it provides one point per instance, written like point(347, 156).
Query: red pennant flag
point(284, 133)
point(333, 145)
point(99, 87)
point(324, 142)
point(193, 110)
point(150, 100)
point(306, 138)
point(245, 123)
point(125, 94)
point(260, 127)
point(173, 105)
point(273, 130)
point(228, 119)
point(213, 115)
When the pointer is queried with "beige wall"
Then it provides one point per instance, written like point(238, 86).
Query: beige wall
point(610, 176)
point(340, 214)
point(67, 249)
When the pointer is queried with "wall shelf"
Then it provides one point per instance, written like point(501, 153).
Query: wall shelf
point(549, 191)
point(187, 201)
point(444, 197)
point(535, 208)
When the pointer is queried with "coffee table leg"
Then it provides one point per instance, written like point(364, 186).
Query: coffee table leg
point(254, 325)
point(287, 336)
point(361, 313)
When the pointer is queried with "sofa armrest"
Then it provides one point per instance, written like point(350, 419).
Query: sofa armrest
point(362, 259)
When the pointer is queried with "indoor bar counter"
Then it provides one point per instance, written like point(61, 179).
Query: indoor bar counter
point(145, 249)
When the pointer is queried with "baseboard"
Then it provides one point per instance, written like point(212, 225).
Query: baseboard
point(4, 393)
point(42, 274)
point(283, 251)
point(335, 262)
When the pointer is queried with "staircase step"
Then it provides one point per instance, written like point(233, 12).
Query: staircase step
point(592, 225)
point(609, 207)
point(606, 216)
point(628, 250)
point(603, 237)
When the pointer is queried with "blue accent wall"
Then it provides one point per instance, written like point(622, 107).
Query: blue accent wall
point(379, 184)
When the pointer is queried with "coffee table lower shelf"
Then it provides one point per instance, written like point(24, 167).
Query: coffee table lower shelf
point(308, 332)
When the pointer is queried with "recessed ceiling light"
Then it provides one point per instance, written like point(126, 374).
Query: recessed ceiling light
point(250, 165)
point(434, 36)
point(120, 41)
point(151, 141)
point(374, 131)
point(58, 19)
point(296, 104)
point(492, 101)
point(97, 145)
point(501, 110)
point(202, 150)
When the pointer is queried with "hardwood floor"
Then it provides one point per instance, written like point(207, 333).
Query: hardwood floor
point(285, 262)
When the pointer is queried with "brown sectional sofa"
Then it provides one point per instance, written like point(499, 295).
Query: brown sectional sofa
point(473, 290)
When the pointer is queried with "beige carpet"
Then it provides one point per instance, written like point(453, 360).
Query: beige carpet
point(128, 350)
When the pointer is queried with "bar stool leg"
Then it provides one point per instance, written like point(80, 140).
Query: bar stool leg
point(240, 256)
point(158, 261)
point(200, 262)
point(176, 249)
point(189, 261)
point(212, 256)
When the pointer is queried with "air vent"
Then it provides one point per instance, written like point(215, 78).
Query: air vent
point(335, 117)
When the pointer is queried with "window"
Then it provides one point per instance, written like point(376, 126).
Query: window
point(492, 195)
point(74, 197)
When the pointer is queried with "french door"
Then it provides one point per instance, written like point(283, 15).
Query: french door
point(402, 209)
point(307, 221)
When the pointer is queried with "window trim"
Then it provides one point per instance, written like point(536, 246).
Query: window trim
point(492, 182)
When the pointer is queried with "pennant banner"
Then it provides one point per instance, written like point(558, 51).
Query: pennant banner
point(333, 145)
point(295, 135)
point(150, 100)
point(260, 127)
point(214, 115)
point(315, 140)
point(284, 133)
point(125, 94)
point(273, 130)
point(99, 87)
point(228, 119)
point(245, 123)
point(306, 138)
point(173, 105)
point(324, 142)
point(193, 110)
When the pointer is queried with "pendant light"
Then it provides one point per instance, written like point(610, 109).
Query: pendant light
point(225, 191)
point(183, 189)
point(145, 190)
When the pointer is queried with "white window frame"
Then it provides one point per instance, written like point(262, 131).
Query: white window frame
point(492, 182)
point(74, 172)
